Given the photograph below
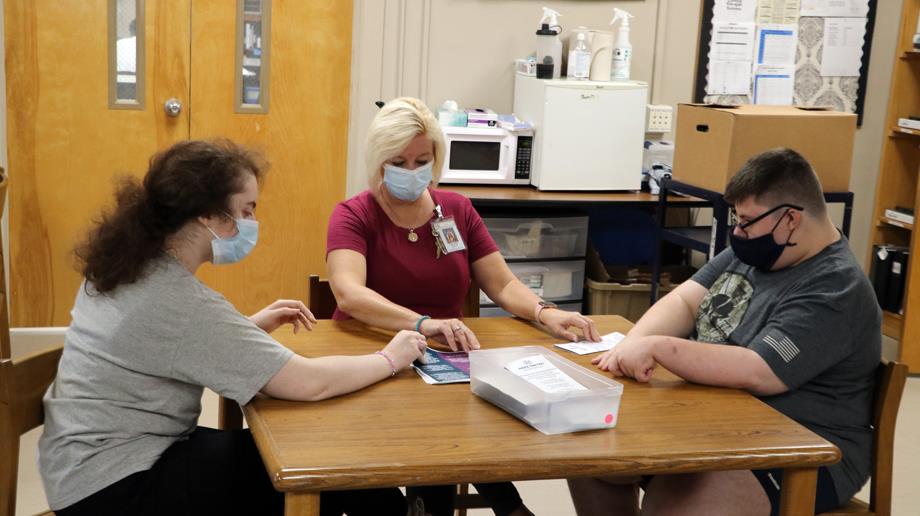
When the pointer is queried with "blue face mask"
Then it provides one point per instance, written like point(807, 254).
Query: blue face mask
point(405, 184)
point(237, 247)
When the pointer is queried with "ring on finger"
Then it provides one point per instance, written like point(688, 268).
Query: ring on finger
point(458, 328)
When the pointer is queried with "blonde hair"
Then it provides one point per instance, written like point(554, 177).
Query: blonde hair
point(396, 124)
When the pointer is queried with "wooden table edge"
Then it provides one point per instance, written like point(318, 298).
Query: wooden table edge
point(309, 479)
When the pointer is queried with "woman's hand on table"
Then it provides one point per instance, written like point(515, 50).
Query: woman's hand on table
point(633, 357)
point(405, 347)
point(281, 312)
point(451, 332)
point(559, 321)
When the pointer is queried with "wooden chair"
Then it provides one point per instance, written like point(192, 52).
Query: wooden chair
point(321, 300)
point(890, 379)
point(22, 384)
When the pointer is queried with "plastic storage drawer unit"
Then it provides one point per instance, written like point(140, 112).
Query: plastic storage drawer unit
point(552, 281)
point(560, 237)
point(494, 311)
point(551, 413)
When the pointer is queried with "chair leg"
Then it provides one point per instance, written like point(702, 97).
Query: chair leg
point(462, 490)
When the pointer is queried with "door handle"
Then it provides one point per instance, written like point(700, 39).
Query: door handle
point(172, 107)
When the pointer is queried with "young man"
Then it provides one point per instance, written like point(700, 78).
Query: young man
point(787, 314)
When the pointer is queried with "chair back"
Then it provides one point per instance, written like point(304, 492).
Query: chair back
point(321, 299)
point(890, 378)
point(22, 384)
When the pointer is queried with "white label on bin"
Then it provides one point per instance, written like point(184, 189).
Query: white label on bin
point(542, 374)
point(585, 347)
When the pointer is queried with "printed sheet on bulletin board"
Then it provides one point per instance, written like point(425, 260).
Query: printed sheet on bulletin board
point(801, 52)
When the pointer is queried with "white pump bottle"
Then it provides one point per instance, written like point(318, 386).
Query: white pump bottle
point(622, 49)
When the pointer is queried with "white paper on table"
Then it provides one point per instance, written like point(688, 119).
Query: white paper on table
point(776, 44)
point(729, 78)
point(778, 11)
point(843, 46)
point(586, 347)
point(732, 41)
point(741, 11)
point(837, 8)
point(774, 84)
point(543, 374)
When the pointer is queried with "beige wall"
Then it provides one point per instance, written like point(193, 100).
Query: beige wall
point(463, 49)
point(868, 146)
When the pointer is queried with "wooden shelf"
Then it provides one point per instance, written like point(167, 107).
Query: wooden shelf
point(897, 185)
point(885, 221)
point(891, 324)
point(900, 132)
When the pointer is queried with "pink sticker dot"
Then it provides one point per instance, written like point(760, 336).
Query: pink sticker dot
point(608, 419)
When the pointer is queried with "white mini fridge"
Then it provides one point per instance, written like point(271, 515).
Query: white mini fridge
point(588, 135)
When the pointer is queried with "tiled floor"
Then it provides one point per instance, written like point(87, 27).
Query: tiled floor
point(550, 497)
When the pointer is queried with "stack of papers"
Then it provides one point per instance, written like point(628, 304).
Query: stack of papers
point(586, 347)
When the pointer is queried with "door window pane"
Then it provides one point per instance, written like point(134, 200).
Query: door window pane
point(252, 38)
point(126, 54)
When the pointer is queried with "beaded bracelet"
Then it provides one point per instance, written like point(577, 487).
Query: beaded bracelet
point(389, 360)
point(418, 323)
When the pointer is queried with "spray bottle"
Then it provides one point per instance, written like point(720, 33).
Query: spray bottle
point(622, 49)
point(549, 47)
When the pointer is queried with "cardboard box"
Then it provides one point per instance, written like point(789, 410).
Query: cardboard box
point(713, 142)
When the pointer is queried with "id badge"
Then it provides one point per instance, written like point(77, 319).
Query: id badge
point(447, 235)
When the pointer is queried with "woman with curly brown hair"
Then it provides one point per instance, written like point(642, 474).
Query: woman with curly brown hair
point(121, 434)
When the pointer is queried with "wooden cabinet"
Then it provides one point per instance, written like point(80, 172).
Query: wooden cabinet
point(898, 185)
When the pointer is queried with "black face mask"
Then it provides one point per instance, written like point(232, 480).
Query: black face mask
point(763, 251)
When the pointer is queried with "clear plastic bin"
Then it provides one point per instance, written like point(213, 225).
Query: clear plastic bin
point(494, 311)
point(552, 281)
point(550, 413)
point(560, 237)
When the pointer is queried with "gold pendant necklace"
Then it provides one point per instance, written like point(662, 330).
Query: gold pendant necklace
point(412, 236)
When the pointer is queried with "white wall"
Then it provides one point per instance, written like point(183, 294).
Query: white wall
point(463, 49)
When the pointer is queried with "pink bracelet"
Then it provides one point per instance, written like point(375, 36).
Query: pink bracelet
point(389, 360)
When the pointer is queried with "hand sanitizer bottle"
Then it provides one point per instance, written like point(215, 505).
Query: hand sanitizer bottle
point(580, 58)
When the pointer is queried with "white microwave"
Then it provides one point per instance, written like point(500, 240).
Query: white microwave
point(487, 155)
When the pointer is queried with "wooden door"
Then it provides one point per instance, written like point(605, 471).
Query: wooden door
point(66, 145)
point(304, 134)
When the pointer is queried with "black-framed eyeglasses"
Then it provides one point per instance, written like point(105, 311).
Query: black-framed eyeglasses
point(733, 217)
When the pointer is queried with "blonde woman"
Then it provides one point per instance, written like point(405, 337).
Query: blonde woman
point(388, 268)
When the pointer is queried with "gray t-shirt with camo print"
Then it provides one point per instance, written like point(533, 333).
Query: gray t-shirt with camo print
point(818, 327)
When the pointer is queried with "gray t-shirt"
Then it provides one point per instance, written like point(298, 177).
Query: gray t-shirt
point(818, 327)
point(131, 377)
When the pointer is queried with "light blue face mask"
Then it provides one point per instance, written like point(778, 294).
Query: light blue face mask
point(405, 184)
point(237, 247)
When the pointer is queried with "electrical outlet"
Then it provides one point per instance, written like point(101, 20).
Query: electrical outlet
point(660, 118)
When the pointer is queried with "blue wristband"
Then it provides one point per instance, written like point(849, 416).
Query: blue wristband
point(418, 323)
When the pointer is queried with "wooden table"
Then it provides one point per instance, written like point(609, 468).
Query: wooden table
point(404, 432)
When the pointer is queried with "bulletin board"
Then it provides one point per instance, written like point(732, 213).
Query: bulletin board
point(810, 87)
